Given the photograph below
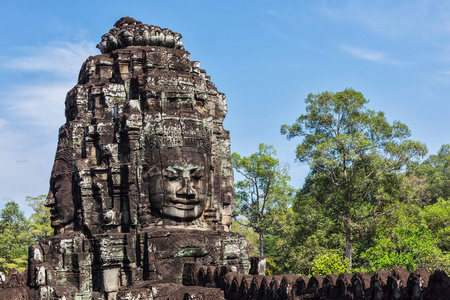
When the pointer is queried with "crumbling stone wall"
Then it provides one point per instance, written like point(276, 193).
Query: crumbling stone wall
point(227, 282)
point(397, 284)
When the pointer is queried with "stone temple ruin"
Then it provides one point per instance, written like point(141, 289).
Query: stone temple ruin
point(141, 193)
point(142, 181)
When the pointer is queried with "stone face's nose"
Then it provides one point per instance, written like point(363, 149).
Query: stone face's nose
point(50, 200)
point(186, 190)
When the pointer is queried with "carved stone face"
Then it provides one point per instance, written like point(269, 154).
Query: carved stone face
point(178, 185)
point(60, 197)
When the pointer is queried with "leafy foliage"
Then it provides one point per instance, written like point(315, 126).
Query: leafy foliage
point(14, 238)
point(412, 238)
point(437, 218)
point(40, 219)
point(329, 264)
point(18, 233)
point(365, 180)
point(355, 156)
point(250, 234)
point(271, 267)
point(436, 170)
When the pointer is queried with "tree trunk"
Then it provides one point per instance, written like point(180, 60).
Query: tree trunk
point(261, 244)
point(348, 247)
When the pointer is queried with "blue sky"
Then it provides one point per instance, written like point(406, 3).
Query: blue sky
point(266, 56)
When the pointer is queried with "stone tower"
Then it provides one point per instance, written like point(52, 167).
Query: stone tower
point(139, 109)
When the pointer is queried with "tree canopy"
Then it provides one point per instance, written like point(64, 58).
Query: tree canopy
point(40, 219)
point(357, 155)
point(436, 170)
point(14, 237)
point(17, 232)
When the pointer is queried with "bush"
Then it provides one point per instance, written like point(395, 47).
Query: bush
point(329, 263)
point(271, 267)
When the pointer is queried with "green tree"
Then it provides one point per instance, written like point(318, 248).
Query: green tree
point(408, 247)
point(263, 192)
point(436, 170)
point(14, 238)
point(40, 222)
point(271, 267)
point(278, 242)
point(315, 232)
point(18, 233)
point(358, 153)
point(437, 218)
point(415, 236)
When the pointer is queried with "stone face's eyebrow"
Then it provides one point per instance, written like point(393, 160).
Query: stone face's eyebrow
point(55, 176)
point(180, 170)
point(175, 169)
point(194, 169)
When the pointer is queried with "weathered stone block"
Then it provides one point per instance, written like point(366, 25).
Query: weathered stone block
point(110, 279)
point(191, 273)
point(257, 265)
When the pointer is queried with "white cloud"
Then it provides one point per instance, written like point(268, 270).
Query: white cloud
point(369, 54)
point(3, 124)
point(62, 60)
point(387, 18)
point(365, 53)
point(39, 105)
point(279, 34)
point(440, 76)
point(25, 161)
point(283, 17)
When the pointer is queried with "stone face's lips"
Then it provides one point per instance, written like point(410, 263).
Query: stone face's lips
point(184, 206)
point(184, 201)
point(53, 213)
point(129, 32)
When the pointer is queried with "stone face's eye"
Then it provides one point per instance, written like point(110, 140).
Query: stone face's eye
point(196, 174)
point(56, 186)
point(172, 176)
